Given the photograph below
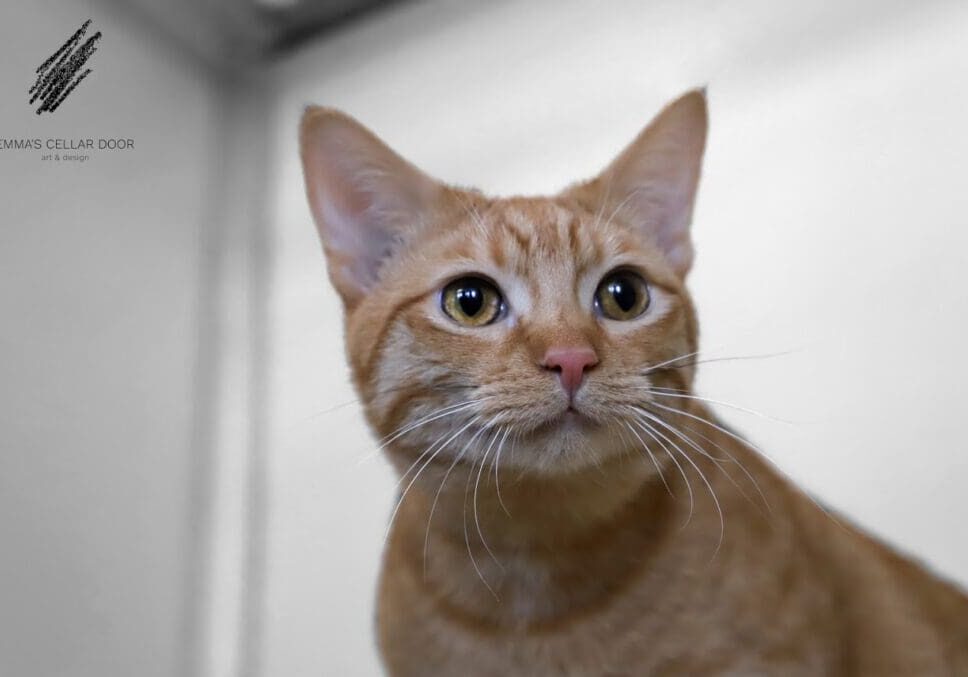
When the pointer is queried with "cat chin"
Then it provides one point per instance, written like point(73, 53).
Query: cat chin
point(567, 443)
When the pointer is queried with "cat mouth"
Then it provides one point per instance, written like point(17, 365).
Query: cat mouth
point(570, 418)
point(567, 419)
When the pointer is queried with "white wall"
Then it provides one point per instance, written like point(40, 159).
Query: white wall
point(831, 223)
point(100, 281)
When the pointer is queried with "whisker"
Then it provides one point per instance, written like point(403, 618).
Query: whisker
point(652, 456)
point(735, 461)
point(627, 445)
point(433, 416)
point(652, 432)
point(720, 428)
point(712, 493)
point(467, 540)
point(755, 448)
point(653, 367)
point(477, 521)
point(514, 454)
point(450, 469)
point(737, 358)
point(450, 439)
point(688, 396)
point(420, 458)
point(717, 461)
point(665, 424)
point(615, 426)
point(385, 391)
point(429, 418)
point(497, 480)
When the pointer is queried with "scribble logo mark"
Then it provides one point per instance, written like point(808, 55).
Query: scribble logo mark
point(59, 75)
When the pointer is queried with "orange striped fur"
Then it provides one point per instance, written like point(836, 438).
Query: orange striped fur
point(542, 535)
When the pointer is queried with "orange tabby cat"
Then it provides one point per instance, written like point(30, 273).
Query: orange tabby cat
point(568, 507)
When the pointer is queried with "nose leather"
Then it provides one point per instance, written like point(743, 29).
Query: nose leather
point(571, 363)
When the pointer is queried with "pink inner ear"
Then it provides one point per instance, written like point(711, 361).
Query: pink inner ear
point(356, 235)
point(355, 225)
point(365, 198)
point(658, 174)
point(662, 207)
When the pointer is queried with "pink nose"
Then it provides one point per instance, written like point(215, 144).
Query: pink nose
point(570, 363)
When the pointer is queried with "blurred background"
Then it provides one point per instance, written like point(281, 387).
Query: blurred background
point(186, 484)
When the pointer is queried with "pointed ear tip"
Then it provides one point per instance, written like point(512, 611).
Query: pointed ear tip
point(310, 119)
point(691, 108)
point(310, 111)
point(696, 97)
point(315, 117)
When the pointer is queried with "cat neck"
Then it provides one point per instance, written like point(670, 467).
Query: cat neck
point(516, 549)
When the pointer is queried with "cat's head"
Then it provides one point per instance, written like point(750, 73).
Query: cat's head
point(471, 321)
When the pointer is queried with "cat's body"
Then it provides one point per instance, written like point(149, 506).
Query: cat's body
point(568, 507)
point(789, 592)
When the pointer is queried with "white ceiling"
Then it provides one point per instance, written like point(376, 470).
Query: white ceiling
point(229, 34)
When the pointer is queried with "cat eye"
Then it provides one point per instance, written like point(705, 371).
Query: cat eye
point(472, 301)
point(622, 295)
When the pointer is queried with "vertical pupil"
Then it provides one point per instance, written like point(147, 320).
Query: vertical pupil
point(623, 293)
point(470, 300)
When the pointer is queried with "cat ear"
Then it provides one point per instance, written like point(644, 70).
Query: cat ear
point(653, 181)
point(367, 201)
